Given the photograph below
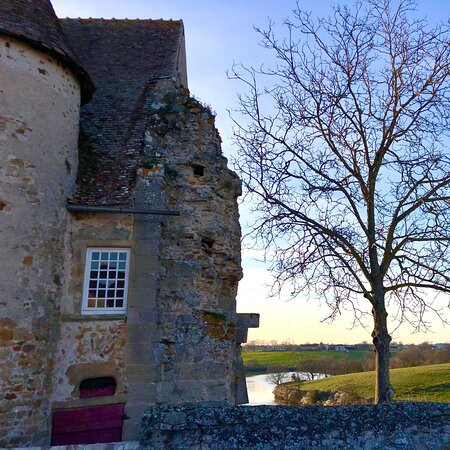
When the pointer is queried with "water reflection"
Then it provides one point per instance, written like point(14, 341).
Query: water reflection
point(260, 389)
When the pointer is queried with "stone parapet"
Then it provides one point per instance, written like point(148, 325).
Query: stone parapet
point(245, 321)
point(396, 426)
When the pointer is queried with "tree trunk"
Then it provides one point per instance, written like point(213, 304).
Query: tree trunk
point(381, 341)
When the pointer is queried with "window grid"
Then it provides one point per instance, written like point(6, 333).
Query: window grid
point(106, 280)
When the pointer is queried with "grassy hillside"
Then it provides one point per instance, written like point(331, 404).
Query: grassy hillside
point(290, 359)
point(424, 383)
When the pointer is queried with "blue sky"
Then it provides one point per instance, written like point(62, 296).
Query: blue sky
point(219, 33)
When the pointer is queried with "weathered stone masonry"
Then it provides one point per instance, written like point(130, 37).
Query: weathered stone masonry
point(143, 142)
point(409, 426)
point(39, 111)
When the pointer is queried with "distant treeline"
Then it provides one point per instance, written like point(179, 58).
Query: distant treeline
point(289, 347)
point(409, 357)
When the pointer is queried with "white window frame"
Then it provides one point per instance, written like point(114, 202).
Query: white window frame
point(85, 310)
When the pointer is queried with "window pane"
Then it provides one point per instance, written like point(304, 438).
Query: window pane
point(105, 287)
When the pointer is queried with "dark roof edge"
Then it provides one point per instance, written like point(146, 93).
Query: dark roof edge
point(86, 84)
point(181, 58)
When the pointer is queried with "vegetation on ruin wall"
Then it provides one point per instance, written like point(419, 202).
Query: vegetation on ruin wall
point(424, 383)
point(261, 361)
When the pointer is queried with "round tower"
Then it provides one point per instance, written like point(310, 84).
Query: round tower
point(41, 88)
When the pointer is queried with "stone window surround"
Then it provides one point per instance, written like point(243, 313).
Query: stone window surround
point(72, 310)
point(88, 260)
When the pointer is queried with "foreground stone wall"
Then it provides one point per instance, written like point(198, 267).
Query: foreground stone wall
point(394, 426)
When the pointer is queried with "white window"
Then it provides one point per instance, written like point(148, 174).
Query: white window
point(106, 280)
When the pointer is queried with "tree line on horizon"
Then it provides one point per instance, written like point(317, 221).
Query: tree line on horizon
point(309, 369)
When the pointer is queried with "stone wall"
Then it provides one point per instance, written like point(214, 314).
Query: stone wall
point(39, 111)
point(412, 426)
point(88, 346)
point(200, 251)
point(180, 337)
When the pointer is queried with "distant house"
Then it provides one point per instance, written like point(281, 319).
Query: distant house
point(309, 347)
point(441, 346)
point(339, 348)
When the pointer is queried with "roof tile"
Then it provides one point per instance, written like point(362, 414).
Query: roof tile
point(123, 57)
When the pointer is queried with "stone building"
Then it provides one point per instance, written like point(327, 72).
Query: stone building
point(119, 233)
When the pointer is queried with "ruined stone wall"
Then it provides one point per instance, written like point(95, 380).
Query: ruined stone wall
point(409, 426)
point(39, 110)
point(200, 251)
point(177, 341)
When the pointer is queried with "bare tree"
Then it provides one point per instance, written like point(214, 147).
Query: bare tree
point(308, 368)
point(279, 375)
point(344, 151)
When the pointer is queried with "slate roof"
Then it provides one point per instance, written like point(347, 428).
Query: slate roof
point(123, 57)
point(35, 22)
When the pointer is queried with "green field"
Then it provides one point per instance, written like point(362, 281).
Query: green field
point(262, 360)
point(424, 383)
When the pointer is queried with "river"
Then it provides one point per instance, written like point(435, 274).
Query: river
point(260, 389)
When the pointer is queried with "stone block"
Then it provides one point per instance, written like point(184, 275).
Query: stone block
point(140, 391)
point(141, 297)
point(173, 392)
point(142, 315)
point(139, 353)
point(142, 372)
point(140, 333)
point(143, 278)
point(131, 430)
point(218, 391)
point(134, 410)
point(148, 248)
point(146, 227)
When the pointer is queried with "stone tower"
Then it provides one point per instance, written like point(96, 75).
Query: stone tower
point(40, 92)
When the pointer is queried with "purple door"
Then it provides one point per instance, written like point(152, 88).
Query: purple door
point(87, 425)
